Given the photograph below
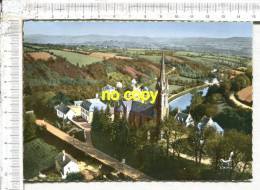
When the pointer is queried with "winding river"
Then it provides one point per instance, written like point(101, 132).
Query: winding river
point(185, 100)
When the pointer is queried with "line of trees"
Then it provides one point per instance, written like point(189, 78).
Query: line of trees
point(175, 140)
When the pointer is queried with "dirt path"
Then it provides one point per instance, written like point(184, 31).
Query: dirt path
point(238, 103)
point(94, 153)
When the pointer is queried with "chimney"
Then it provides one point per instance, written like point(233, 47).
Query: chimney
point(63, 156)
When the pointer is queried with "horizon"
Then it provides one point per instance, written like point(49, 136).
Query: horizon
point(140, 29)
point(136, 36)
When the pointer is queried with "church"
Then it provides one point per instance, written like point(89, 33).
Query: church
point(137, 113)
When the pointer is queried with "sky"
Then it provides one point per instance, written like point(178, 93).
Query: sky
point(149, 29)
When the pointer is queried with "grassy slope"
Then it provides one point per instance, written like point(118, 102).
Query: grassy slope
point(76, 58)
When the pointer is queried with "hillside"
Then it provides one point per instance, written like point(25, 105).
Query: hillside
point(58, 74)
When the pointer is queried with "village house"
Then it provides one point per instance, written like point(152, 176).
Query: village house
point(64, 112)
point(213, 81)
point(66, 164)
point(208, 122)
point(108, 88)
point(76, 110)
point(88, 106)
point(78, 102)
point(184, 118)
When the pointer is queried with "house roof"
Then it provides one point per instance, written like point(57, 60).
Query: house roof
point(68, 158)
point(208, 122)
point(86, 105)
point(62, 108)
point(182, 117)
point(91, 104)
point(108, 87)
point(78, 101)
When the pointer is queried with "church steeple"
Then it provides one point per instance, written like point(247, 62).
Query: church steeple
point(162, 70)
point(162, 105)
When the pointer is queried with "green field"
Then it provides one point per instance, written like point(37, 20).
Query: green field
point(76, 58)
point(174, 87)
point(152, 58)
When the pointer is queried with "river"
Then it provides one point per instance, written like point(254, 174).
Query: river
point(185, 100)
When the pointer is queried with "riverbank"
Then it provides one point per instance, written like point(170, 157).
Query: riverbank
point(174, 96)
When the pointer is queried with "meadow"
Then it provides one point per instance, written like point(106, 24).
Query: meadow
point(76, 58)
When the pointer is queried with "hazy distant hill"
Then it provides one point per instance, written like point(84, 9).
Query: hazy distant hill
point(234, 45)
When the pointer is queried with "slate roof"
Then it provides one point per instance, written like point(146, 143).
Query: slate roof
point(208, 122)
point(92, 104)
point(146, 109)
point(86, 105)
point(68, 158)
point(182, 117)
point(63, 108)
point(108, 87)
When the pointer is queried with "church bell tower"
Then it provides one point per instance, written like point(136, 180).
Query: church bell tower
point(162, 105)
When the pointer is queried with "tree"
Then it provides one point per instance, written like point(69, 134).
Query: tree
point(96, 125)
point(241, 145)
point(120, 136)
point(225, 88)
point(238, 119)
point(249, 73)
point(193, 141)
point(106, 121)
point(198, 111)
point(197, 108)
point(214, 149)
point(239, 82)
point(29, 129)
point(206, 134)
point(74, 177)
point(172, 132)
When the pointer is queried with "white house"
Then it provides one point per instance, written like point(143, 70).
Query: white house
point(88, 106)
point(78, 102)
point(108, 88)
point(119, 85)
point(214, 81)
point(66, 164)
point(184, 118)
point(208, 122)
point(64, 112)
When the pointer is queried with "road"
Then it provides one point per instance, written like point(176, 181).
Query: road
point(238, 103)
point(174, 96)
point(134, 174)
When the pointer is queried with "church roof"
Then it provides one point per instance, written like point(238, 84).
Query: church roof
point(139, 107)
